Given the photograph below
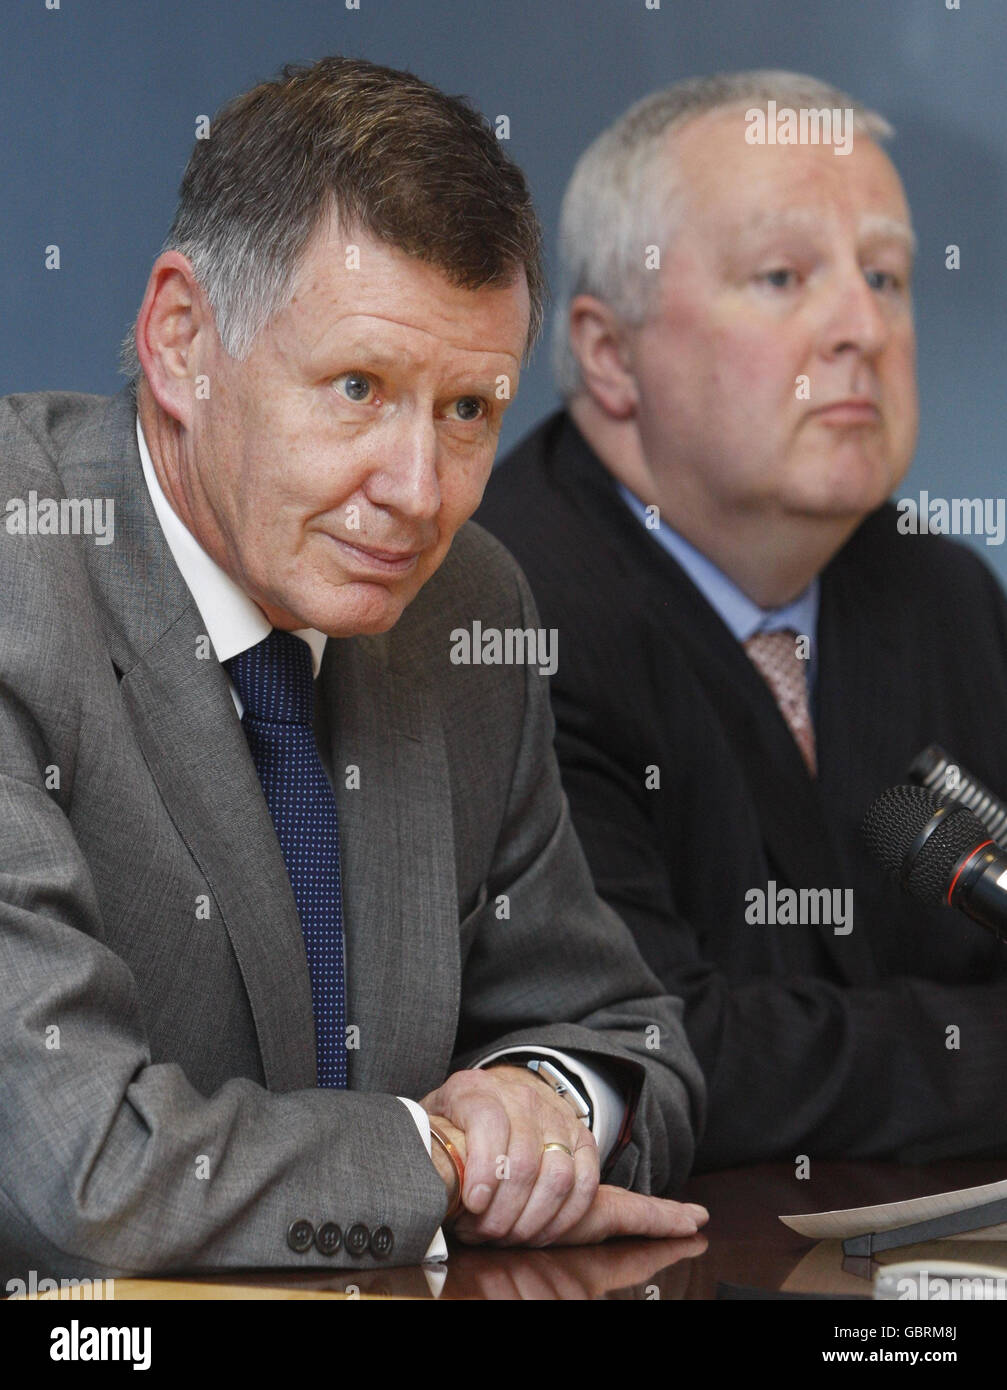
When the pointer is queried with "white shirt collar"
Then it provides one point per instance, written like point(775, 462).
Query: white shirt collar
point(234, 622)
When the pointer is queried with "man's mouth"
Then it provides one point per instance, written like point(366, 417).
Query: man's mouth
point(378, 559)
point(851, 410)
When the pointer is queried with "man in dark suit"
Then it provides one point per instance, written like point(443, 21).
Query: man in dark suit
point(299, 951)
point(749, 649)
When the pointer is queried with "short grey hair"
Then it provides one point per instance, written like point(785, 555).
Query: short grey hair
point(618, 201)
point(385, 153)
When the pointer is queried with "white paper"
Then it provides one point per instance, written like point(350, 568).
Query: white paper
point(857, 1221)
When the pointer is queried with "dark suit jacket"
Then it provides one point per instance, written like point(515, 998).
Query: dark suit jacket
point(172, 1120)
point(811, 1042)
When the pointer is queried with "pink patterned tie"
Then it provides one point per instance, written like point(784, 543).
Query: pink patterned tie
point(774, 655)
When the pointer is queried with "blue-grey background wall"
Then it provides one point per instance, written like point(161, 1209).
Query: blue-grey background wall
point(99, 98)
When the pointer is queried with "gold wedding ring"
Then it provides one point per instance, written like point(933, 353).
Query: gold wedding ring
point(563, 1147)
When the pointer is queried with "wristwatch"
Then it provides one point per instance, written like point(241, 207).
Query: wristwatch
point(560, 1081)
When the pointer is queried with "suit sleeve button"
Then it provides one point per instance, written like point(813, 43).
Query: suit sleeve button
point(300, 1234)
point(382, 1242)
point(328, 1238)
point(358, 1238)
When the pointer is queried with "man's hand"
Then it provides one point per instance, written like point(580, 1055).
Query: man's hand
point(515, 1190)
point(616, 1212)
point(519, 1193)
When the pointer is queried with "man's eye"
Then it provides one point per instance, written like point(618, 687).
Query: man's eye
point(468, 408)
point(779, 278)
point(354, 386)
point(882, 280)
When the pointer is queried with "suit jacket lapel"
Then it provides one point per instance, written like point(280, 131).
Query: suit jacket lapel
point(858, 636)
point(179, 701)
point(397, 856)
point(196, 750)
point(858, 633)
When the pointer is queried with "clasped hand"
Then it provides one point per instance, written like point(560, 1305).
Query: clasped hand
point(532, 1171)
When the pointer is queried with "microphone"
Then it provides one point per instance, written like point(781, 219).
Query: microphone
point(941, 853)
point(940, 773)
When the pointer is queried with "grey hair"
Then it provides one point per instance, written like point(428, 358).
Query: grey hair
point(379, 150)
point(244, 292)
point(617, 201)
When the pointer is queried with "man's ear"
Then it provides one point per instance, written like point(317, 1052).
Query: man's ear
point(174, 322)
point(598, 341)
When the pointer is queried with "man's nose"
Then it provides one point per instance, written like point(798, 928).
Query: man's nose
point(405, 478)
point(855, 317)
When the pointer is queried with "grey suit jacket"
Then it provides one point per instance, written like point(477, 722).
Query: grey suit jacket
point(157, 1059)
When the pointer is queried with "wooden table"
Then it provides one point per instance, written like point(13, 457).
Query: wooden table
point(745, 1247)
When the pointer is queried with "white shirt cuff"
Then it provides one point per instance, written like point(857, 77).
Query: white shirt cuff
point(607, 1105)
point(438, 1249)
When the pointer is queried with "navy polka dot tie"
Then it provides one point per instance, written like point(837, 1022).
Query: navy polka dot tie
point(275, 682)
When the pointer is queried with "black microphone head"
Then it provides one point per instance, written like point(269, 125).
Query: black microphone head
point(893, 824)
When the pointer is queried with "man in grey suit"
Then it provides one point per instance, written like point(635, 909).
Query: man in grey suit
point(208, 1057)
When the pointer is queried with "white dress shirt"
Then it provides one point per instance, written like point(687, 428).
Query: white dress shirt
point(234, 622)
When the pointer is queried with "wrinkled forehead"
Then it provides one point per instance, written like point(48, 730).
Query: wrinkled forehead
point(728, 188)
point(351, 285)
